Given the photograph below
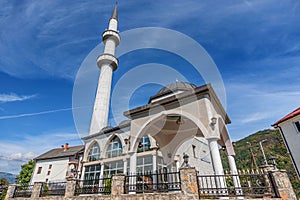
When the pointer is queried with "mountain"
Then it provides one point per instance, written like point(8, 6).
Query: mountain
point(273, 146)
point(8, 176)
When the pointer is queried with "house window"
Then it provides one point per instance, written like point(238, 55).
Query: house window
point(144, 164)
point(297, 124)
point(144, 144)
point(194, 150)
point(50, 166)
point(48, 173)
point(39, 170)
point(94, 153)
point(114, 148)
point(92, 172)
point(111, 168)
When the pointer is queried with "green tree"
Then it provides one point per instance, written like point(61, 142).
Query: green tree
point(26, 172)
point(3, 188)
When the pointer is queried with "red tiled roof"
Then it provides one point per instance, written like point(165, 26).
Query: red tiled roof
point(289, 116)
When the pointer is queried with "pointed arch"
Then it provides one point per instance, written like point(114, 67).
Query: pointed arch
point(225, 138)
point(114, 146)
point(93, 152)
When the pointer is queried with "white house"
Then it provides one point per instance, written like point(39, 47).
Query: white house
point(289, 127)
point(58, 164)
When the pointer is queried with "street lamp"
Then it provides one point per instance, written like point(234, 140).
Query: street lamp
point(263, 152)
point(186, 160)
point(272, 159)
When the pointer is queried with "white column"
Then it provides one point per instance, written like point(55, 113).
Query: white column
point(236, 179)
point(101, 182)
point(154, 170)
point(215, 156)
point(125, 166)
point(217, 164)
point(132, 180)
point(154, 160)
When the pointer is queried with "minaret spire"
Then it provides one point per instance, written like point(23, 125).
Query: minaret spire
point(114, 14)
point(107, 63)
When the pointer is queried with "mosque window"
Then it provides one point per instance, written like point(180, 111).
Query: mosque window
point(297, 124)
point(144, 164)
point(92, 172)
point(144, 144)
point(114, 148)
point(111, 168)
point(94, 153)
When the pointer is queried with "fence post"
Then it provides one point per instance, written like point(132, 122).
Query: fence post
point(117, 185)
point(36, 191)
point(189, 184)
point(10, 191)
point(282, 184)
point(70, 187)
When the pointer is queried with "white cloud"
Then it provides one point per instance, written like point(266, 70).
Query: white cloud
point(4, 98)
point(15, 153)
point(256, 117)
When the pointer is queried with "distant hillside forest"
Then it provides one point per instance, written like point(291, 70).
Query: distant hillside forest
point(273, 146)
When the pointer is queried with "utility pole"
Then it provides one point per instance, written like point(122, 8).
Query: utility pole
point(253, 160)
point(263, 152)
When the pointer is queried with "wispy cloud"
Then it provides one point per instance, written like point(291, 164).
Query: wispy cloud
point(38, 113)
point(34, 114)
point(4, 98)
point(256, 117)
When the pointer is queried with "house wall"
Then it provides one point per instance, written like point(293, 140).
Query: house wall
point(292, 138)
point(57, 172)
point(199, 157)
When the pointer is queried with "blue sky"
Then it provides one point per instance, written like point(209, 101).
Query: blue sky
point(255, 45)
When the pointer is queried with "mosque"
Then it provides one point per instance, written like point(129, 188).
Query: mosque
point(179, 119)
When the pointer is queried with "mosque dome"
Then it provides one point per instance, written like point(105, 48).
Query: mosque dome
point(178, 85)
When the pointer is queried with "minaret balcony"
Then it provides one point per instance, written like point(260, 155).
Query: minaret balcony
point(111, 34)
point(107, 59)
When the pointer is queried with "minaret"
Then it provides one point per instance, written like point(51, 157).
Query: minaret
point(107, 62)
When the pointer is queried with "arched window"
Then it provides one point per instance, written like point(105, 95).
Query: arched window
point(94, 153)
point(114, 148)
point(144, 144)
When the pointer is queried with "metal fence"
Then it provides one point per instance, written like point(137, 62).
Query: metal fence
point(254, 185)
point(152, 182)
point(23, 191)
point(53, 189)
point(95, 186)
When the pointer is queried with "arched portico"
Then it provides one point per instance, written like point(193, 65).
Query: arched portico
point(171, 129)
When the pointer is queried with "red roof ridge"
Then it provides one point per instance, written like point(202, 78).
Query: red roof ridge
point(288, 116)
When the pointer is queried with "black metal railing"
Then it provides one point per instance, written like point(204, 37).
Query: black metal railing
point(53, 189)
point(254, 185)
point(23, 191)
point(95, 186)
point(152, 182)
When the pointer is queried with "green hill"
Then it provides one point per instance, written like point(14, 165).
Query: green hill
point(273, 146)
